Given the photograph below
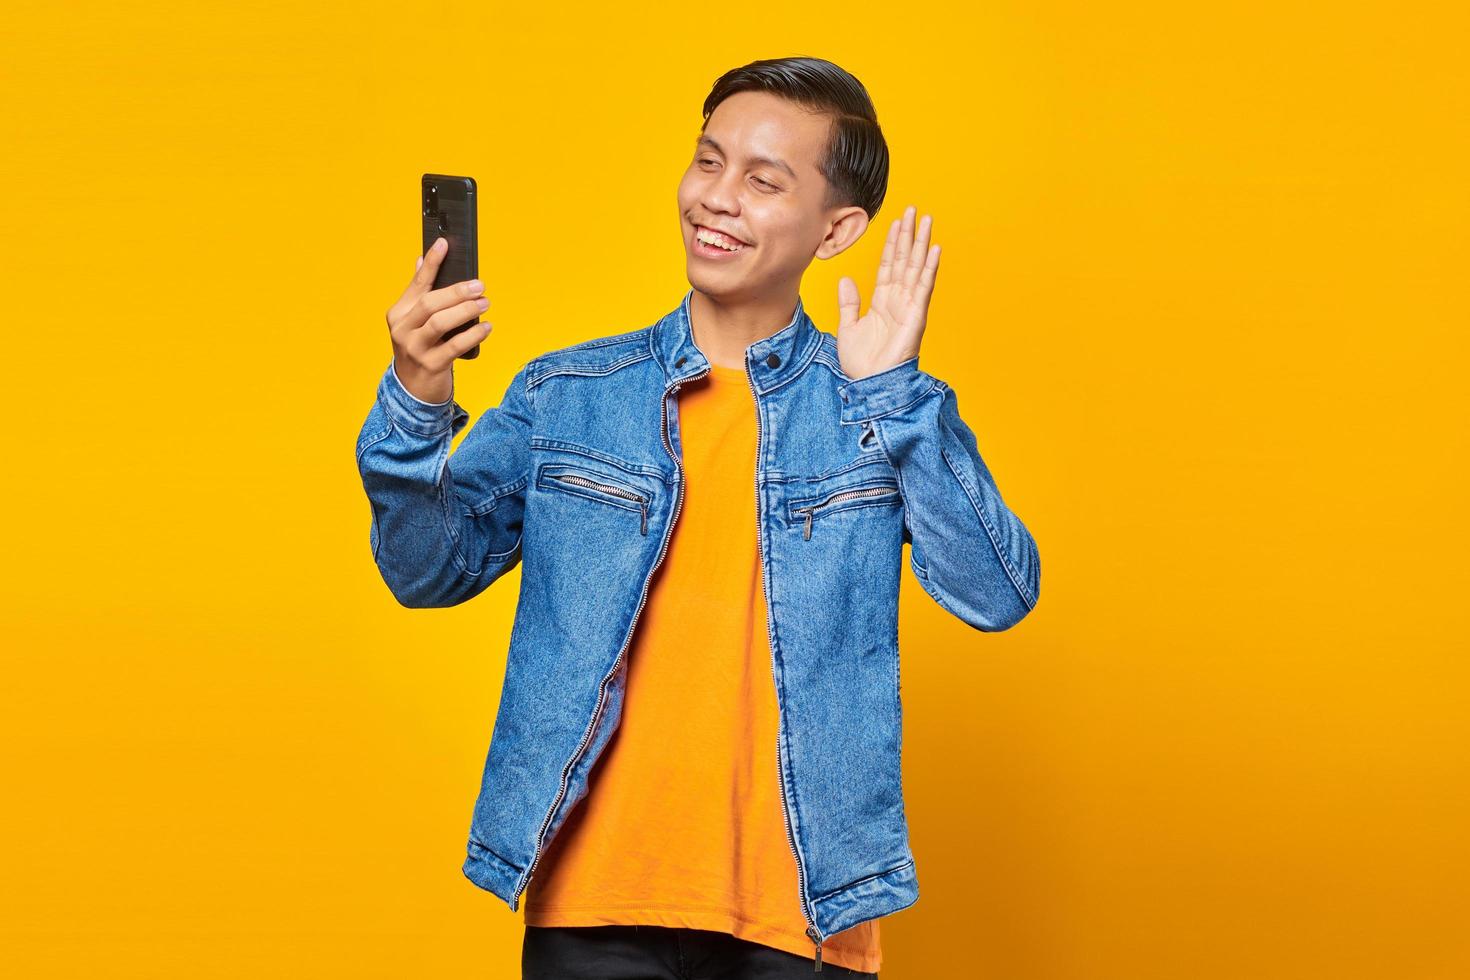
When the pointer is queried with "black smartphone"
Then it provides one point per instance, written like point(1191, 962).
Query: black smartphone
point(450, 213)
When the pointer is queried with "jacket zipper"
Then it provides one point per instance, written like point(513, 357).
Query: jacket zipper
point(616, 491)
point(663, 414)
point(812, 932)
point(838, 498)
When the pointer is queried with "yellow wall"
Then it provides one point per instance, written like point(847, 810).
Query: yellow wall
point(1203, 299)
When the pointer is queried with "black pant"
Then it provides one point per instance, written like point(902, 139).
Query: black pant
point(661, 953)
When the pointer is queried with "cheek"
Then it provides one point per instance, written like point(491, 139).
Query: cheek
point(689, 187)
point(782, 238)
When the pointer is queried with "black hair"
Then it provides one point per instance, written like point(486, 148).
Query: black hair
point(856, 160)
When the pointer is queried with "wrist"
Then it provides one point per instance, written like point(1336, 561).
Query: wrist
point(435, 390)
point(411, 413)
point(885, 392)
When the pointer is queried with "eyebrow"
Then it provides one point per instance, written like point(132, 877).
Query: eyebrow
point(705, 139)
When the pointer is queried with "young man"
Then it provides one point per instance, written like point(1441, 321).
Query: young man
point(710, 513)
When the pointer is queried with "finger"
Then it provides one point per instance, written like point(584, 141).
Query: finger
point(442, 355)
point(449, 318)
point(460, 343)
point(435, 301)
point(918, 255)
point(427, 269)
point(927, 274)
point(905, 242)
point(848, 302)
point(885, 264)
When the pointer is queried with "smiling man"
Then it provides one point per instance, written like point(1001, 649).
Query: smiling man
point(710, 514)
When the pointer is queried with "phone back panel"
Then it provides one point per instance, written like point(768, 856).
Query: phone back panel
point(449, 208)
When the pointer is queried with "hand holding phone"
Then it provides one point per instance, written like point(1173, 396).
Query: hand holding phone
point(429, 328)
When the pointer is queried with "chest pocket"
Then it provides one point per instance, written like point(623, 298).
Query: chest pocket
point(867, 485)
point(594, 485)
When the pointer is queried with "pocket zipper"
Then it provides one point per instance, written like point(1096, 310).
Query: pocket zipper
point(839, 498)
point(616, 491)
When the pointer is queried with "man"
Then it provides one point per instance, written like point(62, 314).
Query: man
point(709, 513)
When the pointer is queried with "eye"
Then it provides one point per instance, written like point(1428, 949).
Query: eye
point(758, 180)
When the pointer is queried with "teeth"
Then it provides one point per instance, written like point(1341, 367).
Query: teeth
point(715, 238)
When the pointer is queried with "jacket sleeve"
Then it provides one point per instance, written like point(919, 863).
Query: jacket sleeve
point(967, 549)
point(443, 528)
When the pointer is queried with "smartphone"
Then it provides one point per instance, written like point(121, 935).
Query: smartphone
point(450, 213)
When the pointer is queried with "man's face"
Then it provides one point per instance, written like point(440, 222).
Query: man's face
point(753, 174)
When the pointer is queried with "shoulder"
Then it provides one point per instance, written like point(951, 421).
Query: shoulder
point(826, 357)
point(598, 356)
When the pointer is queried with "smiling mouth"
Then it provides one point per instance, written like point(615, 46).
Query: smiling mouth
point(709, 241)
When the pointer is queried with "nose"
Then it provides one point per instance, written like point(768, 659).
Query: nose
point(719, 196)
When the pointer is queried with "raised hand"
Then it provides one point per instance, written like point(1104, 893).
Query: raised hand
point(423, 358)
point(889, 333)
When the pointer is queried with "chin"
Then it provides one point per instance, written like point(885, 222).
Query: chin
point(712, 283)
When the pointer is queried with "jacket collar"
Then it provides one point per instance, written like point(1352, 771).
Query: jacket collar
point(770, 362)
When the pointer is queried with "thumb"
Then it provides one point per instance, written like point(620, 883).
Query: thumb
point(847, 302)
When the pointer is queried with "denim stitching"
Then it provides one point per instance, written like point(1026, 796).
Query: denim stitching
point(590, 370)
point(488, 503)
point(871, 459)
point(796, 373)
point(884, 413)
point(853, 884)
point(374, 440)
point(929, 585)
point(825, 356)
point(541, 442)
point(446, 492)
point(990, 532)
point(496, 854)
point(375, 533)
point(426, 430)
point(626, 337)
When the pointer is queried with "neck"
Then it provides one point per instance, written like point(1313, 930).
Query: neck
point(722, 332)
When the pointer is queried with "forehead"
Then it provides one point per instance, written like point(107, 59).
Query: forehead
point(758, 124)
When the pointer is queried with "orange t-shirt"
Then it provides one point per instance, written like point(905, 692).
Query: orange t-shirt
point(682, 824)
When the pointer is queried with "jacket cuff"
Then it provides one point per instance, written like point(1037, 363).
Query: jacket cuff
point(886, 392)
point(413, 414)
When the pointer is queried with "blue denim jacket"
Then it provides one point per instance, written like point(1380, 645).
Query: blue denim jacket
point(576, 475)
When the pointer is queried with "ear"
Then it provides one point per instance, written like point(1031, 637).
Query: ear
point(848, 225)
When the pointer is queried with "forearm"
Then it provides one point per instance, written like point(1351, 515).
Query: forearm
point(436, 542)
point(969, 551)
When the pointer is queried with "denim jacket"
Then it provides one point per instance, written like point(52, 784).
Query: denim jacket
point(577, 476)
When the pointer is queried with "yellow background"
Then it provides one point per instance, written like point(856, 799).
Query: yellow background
point(1203, 300)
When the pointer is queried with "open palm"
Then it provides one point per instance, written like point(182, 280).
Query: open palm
point(889, 333)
